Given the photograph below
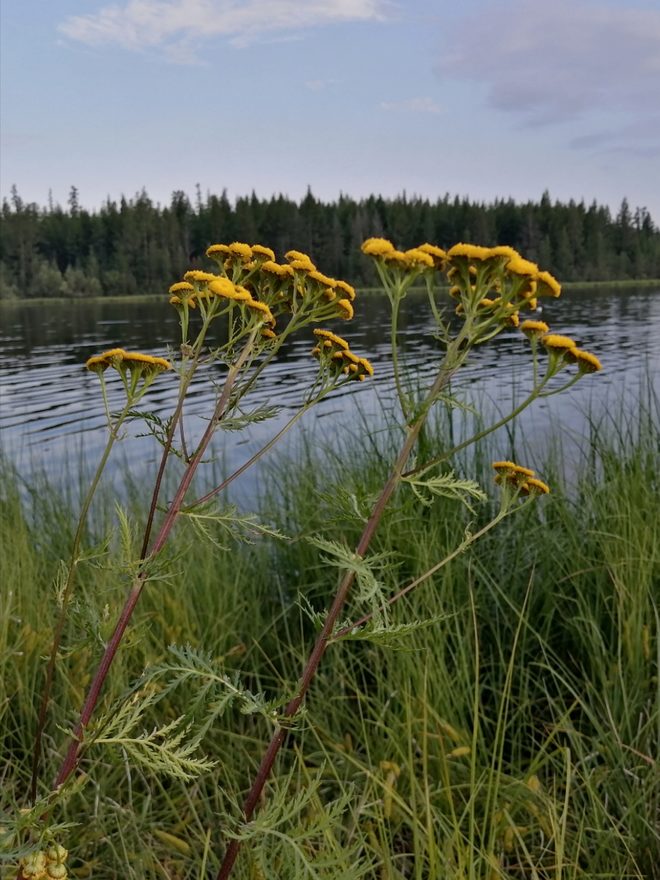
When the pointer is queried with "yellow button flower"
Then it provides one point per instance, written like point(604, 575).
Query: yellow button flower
point(534, 329)
point(377, 247)
point(547, 285)
point(586, 361)
point(471, 251)
point(259, 250)
point(345, 309)
point(181, 287)
point(329, 336)
point(556, 342)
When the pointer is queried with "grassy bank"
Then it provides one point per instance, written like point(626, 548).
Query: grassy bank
point(511, 735)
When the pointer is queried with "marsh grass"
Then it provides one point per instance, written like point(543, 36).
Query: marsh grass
point(514, 737)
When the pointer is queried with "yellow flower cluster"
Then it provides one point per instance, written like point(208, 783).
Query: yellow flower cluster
point(46, 864)
point(563, 347)
point(334, 353)
point(250, 275)
point(520, 478)
point(126, 360)
point(250, 278)
point(492, 285)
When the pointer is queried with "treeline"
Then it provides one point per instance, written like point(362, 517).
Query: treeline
point(137, 246)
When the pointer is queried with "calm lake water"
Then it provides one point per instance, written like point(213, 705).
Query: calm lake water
point(51, 416)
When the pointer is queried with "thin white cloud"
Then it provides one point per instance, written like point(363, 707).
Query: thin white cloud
point(562, 61)
point(412, 105)
point(140, 24)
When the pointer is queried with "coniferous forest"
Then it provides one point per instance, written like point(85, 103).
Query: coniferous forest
point(136, 246)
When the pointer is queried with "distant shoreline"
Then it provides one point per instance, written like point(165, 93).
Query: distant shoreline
point(150, 297)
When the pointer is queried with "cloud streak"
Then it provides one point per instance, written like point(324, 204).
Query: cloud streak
point(548, 63)
point(140, 24)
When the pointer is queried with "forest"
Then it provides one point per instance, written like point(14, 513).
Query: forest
point(137, 246)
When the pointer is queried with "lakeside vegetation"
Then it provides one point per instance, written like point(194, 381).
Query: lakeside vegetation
point(482, 733)
point(515, 737)
point(135, 246)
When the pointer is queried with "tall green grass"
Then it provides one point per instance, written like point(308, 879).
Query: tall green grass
point(515, 736)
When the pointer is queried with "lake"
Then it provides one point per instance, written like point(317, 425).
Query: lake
point(51, 415)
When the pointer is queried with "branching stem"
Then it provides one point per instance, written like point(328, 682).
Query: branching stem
point(456, 354)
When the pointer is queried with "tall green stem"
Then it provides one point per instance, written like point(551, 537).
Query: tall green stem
point(394, 329)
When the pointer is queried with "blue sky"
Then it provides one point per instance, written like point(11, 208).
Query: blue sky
point(476, 98)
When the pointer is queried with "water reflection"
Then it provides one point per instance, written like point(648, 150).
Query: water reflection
point(51, 412)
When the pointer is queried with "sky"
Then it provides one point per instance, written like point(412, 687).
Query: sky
point(476, 98)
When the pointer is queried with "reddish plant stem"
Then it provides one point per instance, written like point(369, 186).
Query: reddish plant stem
point(454, 358)
point(71, 757)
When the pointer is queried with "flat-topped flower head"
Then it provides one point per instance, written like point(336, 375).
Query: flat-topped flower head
point(241, 250)
point(377, 247)
point(504, 251)
point(137, 364)
point(322, 279)
point(547, 285)
point(259, 251)
point(135, 360)
point(397, 257)
point(226, 289)
point(181, 287)
point(188, 301)
point(260, 309)
point(296, 255)
point(585, 360)
point(300, 261)
point(218, 251)
point(277, 269)
point(513, 468)
point(508, 473)
point(518, 266)
point(556, 342)
point(302, 266)
point(332, 338)
point(534, 329)
point(437, 254)
point(533, 486)
point(196, 276)
point(344, 309)
point(418, 257)
point(343, 287)
point(469, 251)
point(100, 362)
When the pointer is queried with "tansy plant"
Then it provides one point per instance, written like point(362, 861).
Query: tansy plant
point(234, 322)
point(490, 286)
point(255, 304)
